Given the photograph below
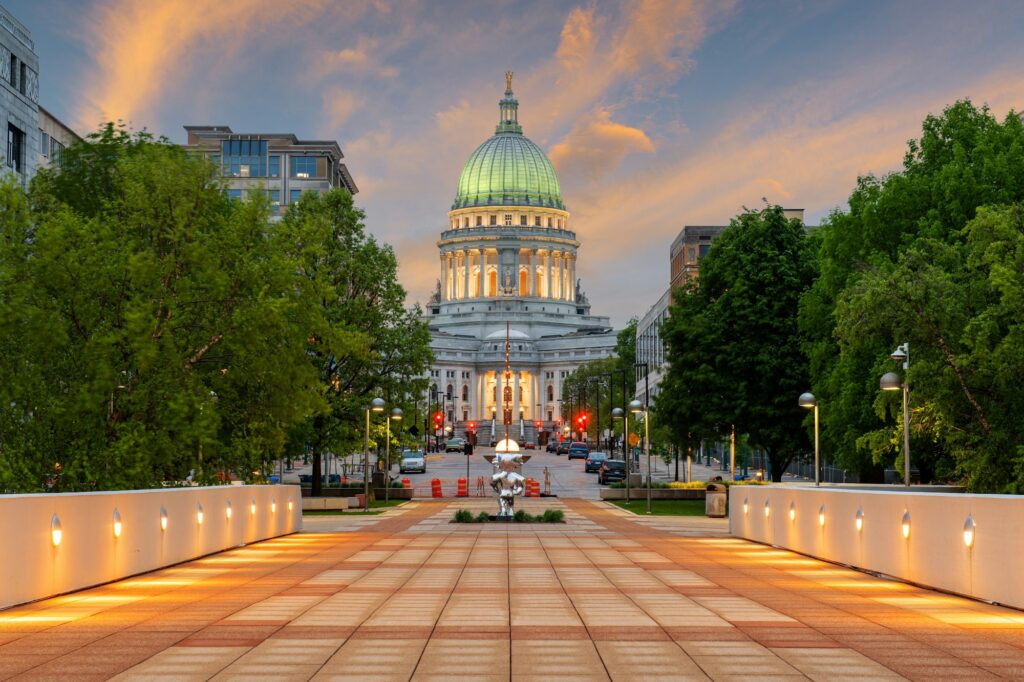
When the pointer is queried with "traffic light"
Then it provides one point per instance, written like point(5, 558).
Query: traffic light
point(472, 426)
point(537, 423)
point(438, 419)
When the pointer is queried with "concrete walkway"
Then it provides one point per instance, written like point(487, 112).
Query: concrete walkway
point(607, 595)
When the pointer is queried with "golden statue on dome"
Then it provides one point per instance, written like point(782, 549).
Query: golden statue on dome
point(508, 81)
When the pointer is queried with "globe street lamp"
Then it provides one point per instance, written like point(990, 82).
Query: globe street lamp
point(376, 405)
point(890, 381)
point(808, 401)
point(637, 407)
point(619, 413)
point(396, 414)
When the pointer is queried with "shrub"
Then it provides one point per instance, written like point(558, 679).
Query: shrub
point(684, 485)
point(482, 517)
point(462, 516)
point(521, 517)
point(553, 516)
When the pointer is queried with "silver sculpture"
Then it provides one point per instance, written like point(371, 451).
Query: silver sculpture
point(506, 479)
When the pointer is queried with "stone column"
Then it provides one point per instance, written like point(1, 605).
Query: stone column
point(547, 273)
point(572, 278)
point(444, 276)
point(533, 272)
point(465, 275)
point(535, 397)
point(481, 383)
point(515, 396)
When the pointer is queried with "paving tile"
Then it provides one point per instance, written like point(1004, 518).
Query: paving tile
point(482, 660)
point(369, 659)
point(537, 660)
point(627, 660)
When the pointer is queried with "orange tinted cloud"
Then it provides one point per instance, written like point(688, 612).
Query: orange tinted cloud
point(145, 49)
point(596, 146)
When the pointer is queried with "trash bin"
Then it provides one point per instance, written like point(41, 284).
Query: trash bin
point(714, 500)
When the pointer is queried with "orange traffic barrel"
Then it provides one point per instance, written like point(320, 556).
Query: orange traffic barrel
point(463, 490)
point(406, 483)
point(435, 488)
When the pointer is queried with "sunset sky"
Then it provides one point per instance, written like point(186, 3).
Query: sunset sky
point(655, 114)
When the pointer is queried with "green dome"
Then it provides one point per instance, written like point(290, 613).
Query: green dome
point(508, 169)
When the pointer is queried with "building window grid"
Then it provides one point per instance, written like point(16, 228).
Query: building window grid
point(303, 166)
point(244, 158)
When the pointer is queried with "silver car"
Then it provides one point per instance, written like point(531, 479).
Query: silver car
point(413, 461)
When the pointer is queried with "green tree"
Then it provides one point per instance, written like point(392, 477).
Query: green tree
point(148, 328)
point(963, 160)
point(366, 343)
point(733, 345)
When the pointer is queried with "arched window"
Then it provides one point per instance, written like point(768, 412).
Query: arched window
point(448, 393)
point(551, 393)
point(465, 392)
point(433, 389)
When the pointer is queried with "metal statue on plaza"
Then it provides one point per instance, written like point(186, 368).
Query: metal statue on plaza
point(506, 479)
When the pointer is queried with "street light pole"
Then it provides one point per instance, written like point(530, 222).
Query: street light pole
point(636, 407)
point(396, 414)
point(890, 381)
point(808, 401)
point(376, 405)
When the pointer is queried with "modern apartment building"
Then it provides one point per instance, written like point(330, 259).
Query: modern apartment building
point(279, 164)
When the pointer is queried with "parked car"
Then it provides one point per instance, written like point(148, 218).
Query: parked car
point(563, 448)
point(611, 470)
point(594, 461)
point(578, 451)
point(413, 461)
point(552, 446)
point(455, 445)
point(530, 445)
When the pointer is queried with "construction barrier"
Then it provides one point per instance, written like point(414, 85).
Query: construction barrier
point(435, 488)
point(463, 489)
point(406, 483)
point(532, 488)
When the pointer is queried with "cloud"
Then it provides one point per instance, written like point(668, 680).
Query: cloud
point(596, 146)
point(146, 50)
point(339, 105)
point(359, 60)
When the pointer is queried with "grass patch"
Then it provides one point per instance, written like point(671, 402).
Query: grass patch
point(376, 507)
point(521, 516)
point(663, 507)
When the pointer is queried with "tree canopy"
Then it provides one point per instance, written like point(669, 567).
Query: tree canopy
point(151, 327)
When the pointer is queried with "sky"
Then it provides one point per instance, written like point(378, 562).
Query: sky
point(656, 114)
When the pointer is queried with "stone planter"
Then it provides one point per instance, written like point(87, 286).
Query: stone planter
point(656, 494)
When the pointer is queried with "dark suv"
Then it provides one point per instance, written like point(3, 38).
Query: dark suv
point(594, 461)
point(611, 470)
point(578, 451)
point(563, 447)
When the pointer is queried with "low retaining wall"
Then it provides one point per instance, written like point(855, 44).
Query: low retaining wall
point(656, 494)
point(156, 528)
point(934, 552)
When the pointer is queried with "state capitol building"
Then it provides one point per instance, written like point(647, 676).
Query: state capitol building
point(508, 255)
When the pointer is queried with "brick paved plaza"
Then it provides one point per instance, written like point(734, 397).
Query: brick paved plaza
point(408, 595)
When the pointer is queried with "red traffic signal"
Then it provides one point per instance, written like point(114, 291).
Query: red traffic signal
point(537, 424)
point(472, 426)
point(438, 418)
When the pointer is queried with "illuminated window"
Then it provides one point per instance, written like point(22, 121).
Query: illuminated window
point(508, 220)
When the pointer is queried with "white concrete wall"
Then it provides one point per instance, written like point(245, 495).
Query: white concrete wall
point(934, 554)
point(31, 567)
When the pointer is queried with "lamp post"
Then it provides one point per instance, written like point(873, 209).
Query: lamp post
point(617, 413)
point(396, 414)
point(376, 405)
point(808, 401)
point(636, 407)
point(890, 381)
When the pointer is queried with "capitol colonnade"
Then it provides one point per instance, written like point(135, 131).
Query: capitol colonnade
point(472, 273)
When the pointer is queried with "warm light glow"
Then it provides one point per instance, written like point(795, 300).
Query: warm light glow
point(792, 511)
point(199, 514)
point(56, 534)
point(969, 532)
point(273, 505)
point(252, 506)
point(227, 510)
point(860, 520)
point(289, 504)
point(163, 519)
point(117, 523)
point(745, 506)
point(821, 515)
point(905, 524)
point(767, 508)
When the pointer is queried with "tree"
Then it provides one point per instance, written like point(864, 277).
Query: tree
point(963, 160)
point(366, 343)
point(588, 385)
point(733, 346)
point(149, 329)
